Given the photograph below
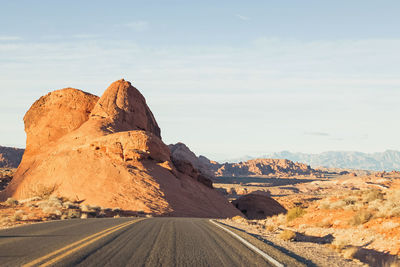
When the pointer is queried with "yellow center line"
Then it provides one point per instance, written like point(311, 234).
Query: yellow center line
point(102, 234)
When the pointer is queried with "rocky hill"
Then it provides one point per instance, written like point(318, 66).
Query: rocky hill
point(10, 157)
point(276, 167)
point(108, 152)
point(382, 161)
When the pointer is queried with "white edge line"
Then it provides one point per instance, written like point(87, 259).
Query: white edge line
point(251, 246)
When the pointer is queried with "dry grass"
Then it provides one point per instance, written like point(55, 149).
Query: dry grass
point(287, 235)
point(294, 213)
point(361, 217)
point(17, 215)
point(350, 252)
point(11, 202)
point(371, 195)
point(43, 191)
point(238, 218)
point(340, 243)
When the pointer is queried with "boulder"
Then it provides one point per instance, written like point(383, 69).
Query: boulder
point(258, 206)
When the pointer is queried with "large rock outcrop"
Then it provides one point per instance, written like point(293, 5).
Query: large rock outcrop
point(187, 162)
point(108, 151)
point(257, 206)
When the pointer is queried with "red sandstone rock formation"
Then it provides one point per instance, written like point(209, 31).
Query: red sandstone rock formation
point(108, 152)
point(187, 162)
point(262, 167)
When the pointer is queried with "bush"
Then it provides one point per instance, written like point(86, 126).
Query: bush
point(361, 217)
point(270, 228)
point(18, 215)
point(287, 235)
point(52, 211)
point(340, 243)
point(43, 191)
point(348, 253)
point(372, 195)
point(238, 218)
point(11, 202)
point(294, 213)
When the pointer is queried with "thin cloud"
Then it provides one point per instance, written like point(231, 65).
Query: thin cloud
point(138, 26)
point(67, 37)
point(10, 38)
point(241, 17)
point(317, 133)
point(85, 36)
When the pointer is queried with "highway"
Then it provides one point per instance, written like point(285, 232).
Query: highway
point(125, 242)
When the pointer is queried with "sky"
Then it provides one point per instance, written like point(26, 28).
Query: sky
point(227, 78)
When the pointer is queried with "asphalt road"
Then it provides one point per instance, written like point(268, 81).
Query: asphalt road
point(124, 242)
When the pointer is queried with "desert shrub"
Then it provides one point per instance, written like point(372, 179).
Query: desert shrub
point(372, 194)
point(395, 212)
point(238, 218)
point(28, 200)
point(340, 242)
point(350, 252)
point(324, 204)
point(350, 200)
point(390, 225)
point(270, 228)
point(361, 217)
point(287, 235)
point(376, 204)
point(27, 217)
point(324, 223)
point(43, 191)
point(73, 213)
point(70, 205)
point(95, 208)
point(11, 202)
point(17, 215)
point(87, 208)
point(5, 220)
point(279, 219)
point(393, 195)
point(340, 204)
point(52, 210)
point(294, 213)
point(389, 208)
point(50, 203)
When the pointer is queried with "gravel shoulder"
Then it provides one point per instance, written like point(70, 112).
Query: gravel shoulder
point(306, 253)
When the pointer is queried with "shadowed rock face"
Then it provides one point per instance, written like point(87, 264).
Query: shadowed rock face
point(257, 206)
point(108, 152)
point(10, 157)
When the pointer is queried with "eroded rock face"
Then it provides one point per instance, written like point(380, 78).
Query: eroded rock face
point(187, 162)
point(108, 152)
point(262, 167)
point(258, 206)
point(124, 108)
point(56, 114)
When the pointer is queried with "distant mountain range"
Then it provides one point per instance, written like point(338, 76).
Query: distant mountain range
point(388, 160)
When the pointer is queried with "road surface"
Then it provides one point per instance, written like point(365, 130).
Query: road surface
point(125, 242)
